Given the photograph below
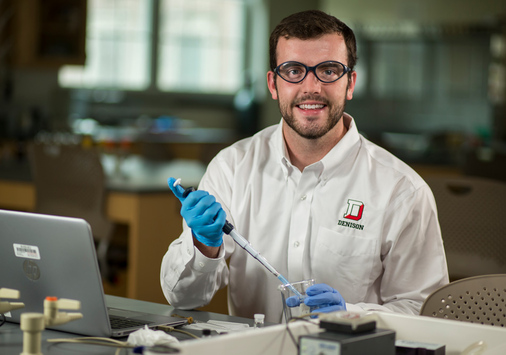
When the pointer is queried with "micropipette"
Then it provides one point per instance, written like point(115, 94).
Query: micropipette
point(229, 229)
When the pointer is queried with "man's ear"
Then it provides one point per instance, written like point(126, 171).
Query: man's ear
point(351, 85)
point(271, 84)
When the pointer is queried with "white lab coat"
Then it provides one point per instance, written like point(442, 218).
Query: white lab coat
point(359, 220)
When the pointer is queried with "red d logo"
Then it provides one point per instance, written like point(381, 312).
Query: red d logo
point(355, 210)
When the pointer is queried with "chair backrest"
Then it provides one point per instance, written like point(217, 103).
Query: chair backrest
point(472, 216)
point(479, 299)
point(70, 181)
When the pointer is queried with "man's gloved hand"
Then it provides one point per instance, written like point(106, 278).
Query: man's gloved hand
point(203, 215)
point(322, 298)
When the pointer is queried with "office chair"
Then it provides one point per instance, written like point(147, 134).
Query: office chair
point(69, 181)
point(472, 216)
point(479, 299)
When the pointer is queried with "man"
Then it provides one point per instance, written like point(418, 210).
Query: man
point(314, 197)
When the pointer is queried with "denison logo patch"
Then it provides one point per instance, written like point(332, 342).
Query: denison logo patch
point(354, 210)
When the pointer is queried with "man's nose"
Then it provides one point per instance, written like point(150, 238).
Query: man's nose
point(311, 83)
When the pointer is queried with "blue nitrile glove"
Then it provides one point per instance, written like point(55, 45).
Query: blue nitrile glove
point(202, 214)
point(320, 295)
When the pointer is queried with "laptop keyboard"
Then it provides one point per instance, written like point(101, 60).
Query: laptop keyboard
point(122, 323)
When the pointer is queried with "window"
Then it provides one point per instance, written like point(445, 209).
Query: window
point(194, 46)
point(201, 45)
point(399, 70)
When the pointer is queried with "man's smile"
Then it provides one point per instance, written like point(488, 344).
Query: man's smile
point(311, 106)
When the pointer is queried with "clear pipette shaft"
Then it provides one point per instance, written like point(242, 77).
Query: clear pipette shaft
point(228, 228)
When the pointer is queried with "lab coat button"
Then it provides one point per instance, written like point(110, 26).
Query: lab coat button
point(201, 264)
point(296, 244)
point(303, 197)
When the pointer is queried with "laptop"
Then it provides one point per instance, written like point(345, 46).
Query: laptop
point(43, 255)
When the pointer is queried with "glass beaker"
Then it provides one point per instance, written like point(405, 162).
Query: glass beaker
point(286, 292)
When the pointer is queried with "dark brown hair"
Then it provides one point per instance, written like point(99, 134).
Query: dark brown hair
point(309, 25)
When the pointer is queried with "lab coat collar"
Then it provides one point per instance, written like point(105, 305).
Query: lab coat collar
point(282, 151)
point(341, 152)
point(344, 151)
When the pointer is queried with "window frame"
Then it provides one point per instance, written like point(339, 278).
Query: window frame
point(191, 97)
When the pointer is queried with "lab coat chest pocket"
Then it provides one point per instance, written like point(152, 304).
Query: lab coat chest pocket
point(346, 262)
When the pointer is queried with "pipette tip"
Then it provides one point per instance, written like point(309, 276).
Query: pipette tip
point(286, 283)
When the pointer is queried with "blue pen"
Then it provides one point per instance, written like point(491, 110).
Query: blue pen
point(229, 229)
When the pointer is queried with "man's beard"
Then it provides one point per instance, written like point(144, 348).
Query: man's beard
point(312, 131)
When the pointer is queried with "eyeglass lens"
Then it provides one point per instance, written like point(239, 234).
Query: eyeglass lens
point(327, 71)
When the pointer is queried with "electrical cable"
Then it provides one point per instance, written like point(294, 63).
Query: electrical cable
point(120, 344)
point(169, 329)
point(292, 337)
point(295, 319)
point(190, 320)
point(96, 341)
point(93, 341)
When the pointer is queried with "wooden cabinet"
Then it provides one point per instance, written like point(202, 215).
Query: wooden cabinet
point(47, 33)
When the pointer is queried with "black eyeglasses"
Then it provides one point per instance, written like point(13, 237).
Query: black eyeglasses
point(326, 72)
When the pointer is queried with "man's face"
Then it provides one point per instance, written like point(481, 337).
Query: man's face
point(312, 108)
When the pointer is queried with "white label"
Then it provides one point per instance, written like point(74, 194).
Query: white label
point(312, 346)
point(26, 251)
point(416, 345)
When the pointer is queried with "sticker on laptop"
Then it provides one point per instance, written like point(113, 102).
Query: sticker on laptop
point(26, 251)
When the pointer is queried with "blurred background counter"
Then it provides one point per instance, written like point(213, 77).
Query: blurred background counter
point(138, 201)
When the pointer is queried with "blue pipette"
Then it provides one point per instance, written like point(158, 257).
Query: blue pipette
point(229, 229)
